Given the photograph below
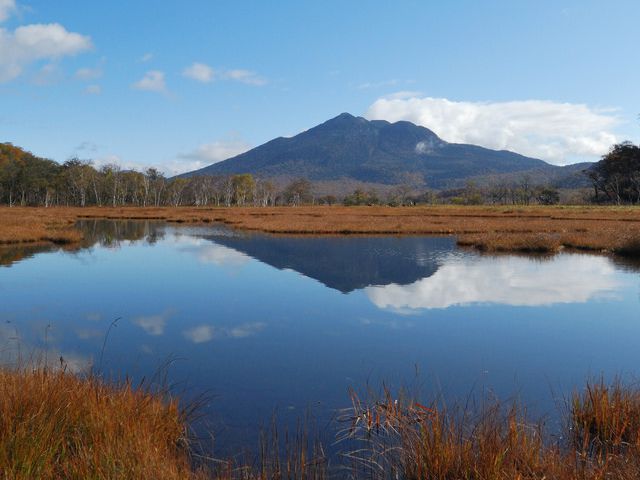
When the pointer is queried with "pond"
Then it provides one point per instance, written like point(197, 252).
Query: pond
point(263, 324)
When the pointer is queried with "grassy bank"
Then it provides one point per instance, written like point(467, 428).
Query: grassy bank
point(526, 229)
point(56, 425)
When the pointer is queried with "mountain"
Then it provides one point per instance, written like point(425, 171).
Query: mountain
point(376, 151)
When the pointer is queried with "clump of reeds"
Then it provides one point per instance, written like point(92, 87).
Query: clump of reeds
point(400, 438)
point(54, 424)
point(605, 420)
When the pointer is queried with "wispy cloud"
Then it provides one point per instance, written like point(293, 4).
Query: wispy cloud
point(153, 81)
point(373, 85)
point(217, 151)
point(7, 8)
point(88, 73)
point(244, 76)
point(204, 73)
point(199, 72)
point(560, 133)
point(93, 89)
point(48, 74)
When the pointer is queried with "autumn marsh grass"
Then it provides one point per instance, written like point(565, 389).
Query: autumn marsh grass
point(397, 437)
point(54, 424)
point(540, 229)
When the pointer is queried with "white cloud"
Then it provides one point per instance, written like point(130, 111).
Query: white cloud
point(32, 43)
point(7, 7)
point(93, 89)
point(147, 57)
point(88, 73)
point(153, 81)
point(199, 72)
point(517, 281)
point(244, 76)
point(559, 133)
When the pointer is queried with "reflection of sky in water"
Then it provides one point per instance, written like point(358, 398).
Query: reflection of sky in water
point(262, 322)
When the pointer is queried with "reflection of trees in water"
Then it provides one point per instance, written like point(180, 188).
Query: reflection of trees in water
point(107, 233)
point(10, 254)
point(629, 264)
point(110, 233)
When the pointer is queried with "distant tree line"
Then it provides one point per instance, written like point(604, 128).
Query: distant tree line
point(29, 180)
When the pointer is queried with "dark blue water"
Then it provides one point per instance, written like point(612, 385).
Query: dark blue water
point(263, 323)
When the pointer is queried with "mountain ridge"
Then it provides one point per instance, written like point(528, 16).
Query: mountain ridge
point(377, 151)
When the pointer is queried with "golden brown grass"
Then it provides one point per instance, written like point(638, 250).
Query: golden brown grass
point(535, 228)
point(56, 425)
point(37, 225)
point(399, 438)
point(605, 425)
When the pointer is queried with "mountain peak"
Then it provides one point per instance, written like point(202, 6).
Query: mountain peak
point(350, 147)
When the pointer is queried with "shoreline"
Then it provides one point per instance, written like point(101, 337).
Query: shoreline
point(533, 229)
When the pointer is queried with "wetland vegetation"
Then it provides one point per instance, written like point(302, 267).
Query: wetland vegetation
point(66, 421)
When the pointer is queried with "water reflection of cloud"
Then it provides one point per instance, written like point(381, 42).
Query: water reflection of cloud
point(153, 324)
point(516, 281)
point(200, 334)
point(212, 253)
point(19, 352)
point(89, 333)
point(206, 333)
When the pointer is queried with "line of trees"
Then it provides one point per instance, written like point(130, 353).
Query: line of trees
point(29, 180)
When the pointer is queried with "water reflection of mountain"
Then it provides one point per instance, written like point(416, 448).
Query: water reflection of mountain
point(346, 263)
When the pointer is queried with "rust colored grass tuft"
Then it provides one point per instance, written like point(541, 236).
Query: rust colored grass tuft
point(56, 425)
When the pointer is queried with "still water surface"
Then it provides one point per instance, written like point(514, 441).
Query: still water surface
point(263, 323)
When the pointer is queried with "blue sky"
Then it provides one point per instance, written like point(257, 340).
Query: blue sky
point(116, 81)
